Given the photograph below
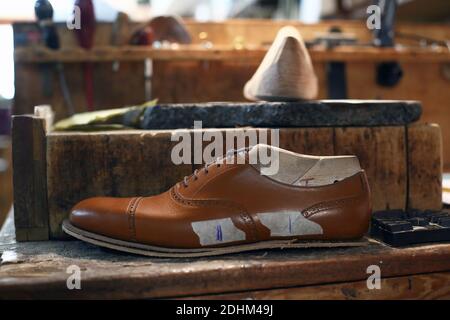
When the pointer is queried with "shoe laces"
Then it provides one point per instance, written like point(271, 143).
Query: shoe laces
point(230, 154)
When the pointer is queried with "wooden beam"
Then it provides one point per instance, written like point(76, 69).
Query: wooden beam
point(425, 163)
point(382, 153)
point(423, 287)
point(226, 53)
point(312, 141)
point(29, 177)
point(105, 274)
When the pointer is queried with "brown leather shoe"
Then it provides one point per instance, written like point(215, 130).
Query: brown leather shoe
point(229, 207)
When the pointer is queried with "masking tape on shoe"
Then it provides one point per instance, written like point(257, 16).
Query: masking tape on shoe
point(211, 232)
point(289, 223)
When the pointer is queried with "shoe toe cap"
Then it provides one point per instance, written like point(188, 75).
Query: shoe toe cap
point(104, 216)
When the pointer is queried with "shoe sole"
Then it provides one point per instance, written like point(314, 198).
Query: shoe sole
point(160, 252)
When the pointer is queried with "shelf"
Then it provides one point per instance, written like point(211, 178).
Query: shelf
point(183, 53)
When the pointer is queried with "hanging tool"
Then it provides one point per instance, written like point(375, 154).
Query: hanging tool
point(44, 14)
point(85, 36)
point(388, 73)
point(336, 70)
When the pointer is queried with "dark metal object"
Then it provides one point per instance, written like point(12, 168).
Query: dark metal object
point(44, 14)
point(282, 114)
point(337, 80)
point(384, 37)
point(389, 73)
point(402, 228)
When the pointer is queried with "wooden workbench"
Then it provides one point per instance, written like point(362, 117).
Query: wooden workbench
point(38, 270)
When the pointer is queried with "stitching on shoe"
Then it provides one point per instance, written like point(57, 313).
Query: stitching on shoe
point(323, 206)
point(249, 220)
point(131, 212)
point(203, 202)
point(246, 218)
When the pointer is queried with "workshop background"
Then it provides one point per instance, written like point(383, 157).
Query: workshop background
point(25, 83)
point(118, 63)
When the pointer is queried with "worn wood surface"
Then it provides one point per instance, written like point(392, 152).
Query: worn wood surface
point(424, 167)
point(382, 153)
point(313, 141)
point(29, 176)
point(433, 286)
point(38, 270)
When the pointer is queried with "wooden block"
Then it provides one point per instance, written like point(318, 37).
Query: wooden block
point(119, 164)
point(382, 153)
point(425, 166)
point(32, 234)
point(29, 172)
point(312, 141)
